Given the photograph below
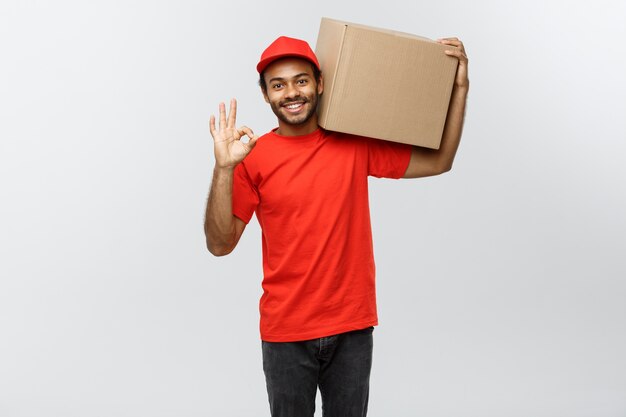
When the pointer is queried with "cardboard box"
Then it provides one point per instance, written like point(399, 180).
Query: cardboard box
point(383, 84)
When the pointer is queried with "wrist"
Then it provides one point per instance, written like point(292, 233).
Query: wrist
point(223, 170)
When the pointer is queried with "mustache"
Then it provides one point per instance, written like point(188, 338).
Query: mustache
point(294, 100)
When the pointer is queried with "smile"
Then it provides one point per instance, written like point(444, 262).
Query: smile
point(293, 107)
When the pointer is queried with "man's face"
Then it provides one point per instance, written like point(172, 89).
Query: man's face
point(292, 90)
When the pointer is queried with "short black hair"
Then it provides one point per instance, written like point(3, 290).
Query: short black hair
point(317, 74)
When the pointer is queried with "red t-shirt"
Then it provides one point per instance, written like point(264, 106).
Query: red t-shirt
point(310, 196)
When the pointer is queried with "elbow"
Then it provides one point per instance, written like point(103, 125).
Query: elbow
point(218, 250)
point(220, 253)
point(441, 169)
point(221, 243)
point(445, 168)
point(444, 165)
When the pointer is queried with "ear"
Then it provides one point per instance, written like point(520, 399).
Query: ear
point(320, 85)
point(267, 99)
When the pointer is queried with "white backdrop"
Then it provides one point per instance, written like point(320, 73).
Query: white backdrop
point(501, 284)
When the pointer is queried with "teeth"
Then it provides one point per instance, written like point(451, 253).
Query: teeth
point(293, 106)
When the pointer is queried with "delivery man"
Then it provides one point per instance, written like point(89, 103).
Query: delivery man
point(308, 188)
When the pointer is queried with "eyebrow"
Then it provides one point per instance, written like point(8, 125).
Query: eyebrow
point(294, 77)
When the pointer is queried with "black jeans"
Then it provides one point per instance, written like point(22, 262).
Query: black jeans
point(340, 365)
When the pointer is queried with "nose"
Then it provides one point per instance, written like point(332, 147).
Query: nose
point(291, 91)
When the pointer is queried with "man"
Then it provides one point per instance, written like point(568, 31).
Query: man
point(308, 188)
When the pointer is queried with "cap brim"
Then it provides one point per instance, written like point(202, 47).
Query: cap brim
point(267, 61)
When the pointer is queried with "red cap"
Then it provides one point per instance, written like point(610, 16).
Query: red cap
point(284, 47)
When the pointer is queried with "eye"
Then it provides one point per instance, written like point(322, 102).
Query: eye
point(276, 86)
point(302, 82)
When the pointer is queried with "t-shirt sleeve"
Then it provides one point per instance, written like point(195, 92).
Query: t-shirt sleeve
point(245, 194)
point(387, 159)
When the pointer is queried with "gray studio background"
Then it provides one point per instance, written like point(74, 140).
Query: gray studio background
point(501, 284)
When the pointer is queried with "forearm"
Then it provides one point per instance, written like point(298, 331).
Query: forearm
point(219, 223)
point(427, 162)
point(453, 129)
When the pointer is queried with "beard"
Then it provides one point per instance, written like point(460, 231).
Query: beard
point(299, 119)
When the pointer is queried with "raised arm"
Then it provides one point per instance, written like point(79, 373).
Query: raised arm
point(221, 228)
point(426, 162)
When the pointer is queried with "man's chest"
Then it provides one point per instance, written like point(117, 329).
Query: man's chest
point(300, 178)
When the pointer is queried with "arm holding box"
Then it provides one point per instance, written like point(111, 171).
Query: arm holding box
point(427, 162)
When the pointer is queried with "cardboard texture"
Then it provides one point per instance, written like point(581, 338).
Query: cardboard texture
point(383, 84)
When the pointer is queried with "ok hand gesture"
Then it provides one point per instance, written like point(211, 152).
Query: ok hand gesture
point(229, 148)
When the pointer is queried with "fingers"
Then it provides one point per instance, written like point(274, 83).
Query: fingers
point(222, 116)
point(252, 142)
point(212, 125)
point(450, 41)
point(245, 130)
point(232, 114)
point(458, 51)
point(458, 54)
point(228, 122)
point(453, 42)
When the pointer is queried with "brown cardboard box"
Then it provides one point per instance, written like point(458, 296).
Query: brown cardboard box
point(383, 84)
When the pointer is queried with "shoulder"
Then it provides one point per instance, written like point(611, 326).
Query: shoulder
point(366, 143)
point(263, 145)
point(263, 151)
point(264, 140)
point(373, 146)
point(345, 138)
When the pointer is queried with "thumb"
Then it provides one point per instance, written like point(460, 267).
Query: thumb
point(252, 141)
point(245, 130)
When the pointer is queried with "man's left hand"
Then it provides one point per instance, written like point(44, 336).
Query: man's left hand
point(461, 80)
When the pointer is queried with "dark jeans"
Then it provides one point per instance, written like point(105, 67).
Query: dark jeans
point(340, 365)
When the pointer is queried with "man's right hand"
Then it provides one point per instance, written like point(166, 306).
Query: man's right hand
point(229, 149)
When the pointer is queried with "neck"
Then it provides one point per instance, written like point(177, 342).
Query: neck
point(286, 129)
